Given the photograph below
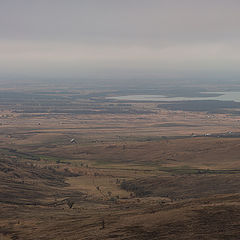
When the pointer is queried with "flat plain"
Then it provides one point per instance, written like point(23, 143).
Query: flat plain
point(75, 165)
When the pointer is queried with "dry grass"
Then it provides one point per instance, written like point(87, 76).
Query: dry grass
point(190, 185)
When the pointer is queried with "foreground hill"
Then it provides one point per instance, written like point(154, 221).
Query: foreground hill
point(51, 198)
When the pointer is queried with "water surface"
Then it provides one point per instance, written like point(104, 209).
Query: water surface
point(221, 96)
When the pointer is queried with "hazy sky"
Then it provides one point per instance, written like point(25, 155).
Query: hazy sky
point(114, 39)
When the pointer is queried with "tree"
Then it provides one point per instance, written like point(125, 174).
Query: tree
point(70, 203)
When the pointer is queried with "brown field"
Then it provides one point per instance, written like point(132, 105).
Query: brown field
point(134, 171)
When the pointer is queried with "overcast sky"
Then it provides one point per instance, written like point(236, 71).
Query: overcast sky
point(114, 39)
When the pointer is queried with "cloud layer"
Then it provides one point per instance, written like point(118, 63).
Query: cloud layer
point(119, 39)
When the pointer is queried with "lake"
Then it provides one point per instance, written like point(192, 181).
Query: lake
point(221, 96)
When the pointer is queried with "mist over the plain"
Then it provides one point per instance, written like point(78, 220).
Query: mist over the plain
point(119, 41)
